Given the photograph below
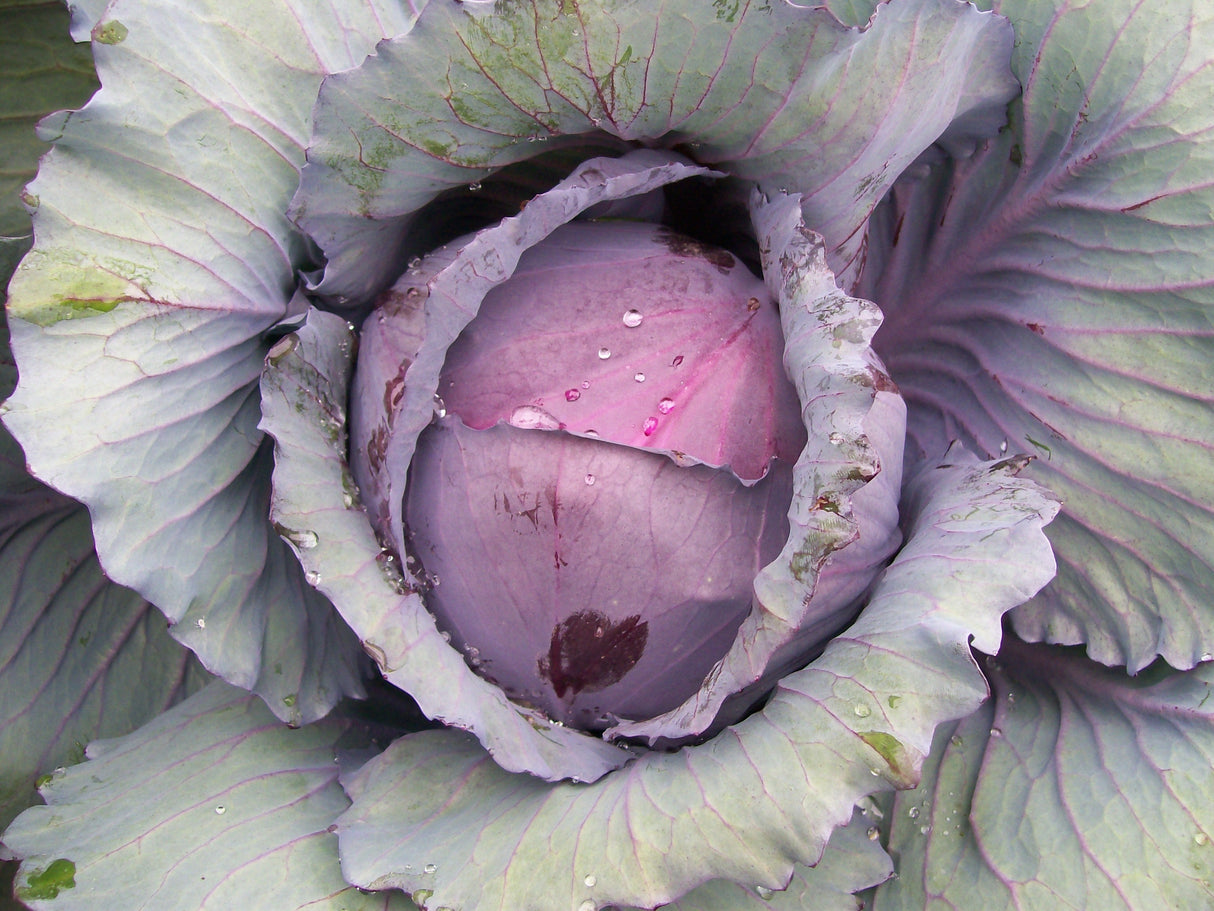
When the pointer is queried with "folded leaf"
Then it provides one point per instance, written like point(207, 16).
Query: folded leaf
point(771, 92)
point(163, 251)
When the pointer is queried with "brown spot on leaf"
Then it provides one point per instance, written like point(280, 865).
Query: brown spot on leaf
point(690, 248)
point(588, 652)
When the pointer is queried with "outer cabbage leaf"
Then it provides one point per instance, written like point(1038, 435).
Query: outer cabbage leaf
point(1054, 294)
point(1075, 787)
point(762, 795)
point(772, 92)
point(136, 319)
point(213, 805)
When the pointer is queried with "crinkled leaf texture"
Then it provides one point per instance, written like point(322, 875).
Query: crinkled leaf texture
point(765, 793)
point(162, 253)
point(1054, 293)
point(214, 805)
point(771, 92)
point(1076, 787)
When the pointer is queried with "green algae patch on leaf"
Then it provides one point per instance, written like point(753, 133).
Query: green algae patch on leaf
point(110, 32)
point(76, 294)
point(47, 882)
point(901, 762)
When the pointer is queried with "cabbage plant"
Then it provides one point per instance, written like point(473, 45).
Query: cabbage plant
point(592, 454)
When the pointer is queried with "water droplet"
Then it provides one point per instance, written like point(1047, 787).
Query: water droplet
point(956, 740)
point(678, 360)
point(591, 880)
point(430, 868)
point(764, 893)
point(862, 710)
point(1003, 447)
point(650, 425)
point(633, 318)
point(302, 539)
point(312, 577)
point(604, 353)
point(220, 810)
point(996, 732)
point(836, 438)
point(592, 433)
point(913, 812)
point(347, 499)
point(474, 186)
point(590, 479)
point(666, 405)
point(572, 395)
point(588, 905)
point(1011, 697)
point(530, 417)
point(639, 377)
point(446, 636)
point(201, 623)
point(585, 384)
point(923, 830)
point(873, 833)
point(1207, 657)
point(1201, 838)
point(440, 407)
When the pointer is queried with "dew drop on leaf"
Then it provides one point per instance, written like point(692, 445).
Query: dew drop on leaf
point(633, 318)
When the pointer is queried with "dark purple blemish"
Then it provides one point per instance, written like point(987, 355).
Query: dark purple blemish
point(588, 652)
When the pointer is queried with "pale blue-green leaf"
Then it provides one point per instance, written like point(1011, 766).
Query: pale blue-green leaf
point(1076, 787)
point(853, 861)
point(772, 92)
point(80, 657)
point(847, 481)
point(762, 795)
point(304, 391)
point(162, 252)
point(213, 805)
point(1054, 295)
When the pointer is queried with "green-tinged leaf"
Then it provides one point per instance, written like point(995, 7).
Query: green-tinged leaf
point(213, 805)
point(1054, 295)
point(762, 795)
point(1076, 787)
point(162, 253)
point(772, 92)
point(41, 70)
point(80, 657)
